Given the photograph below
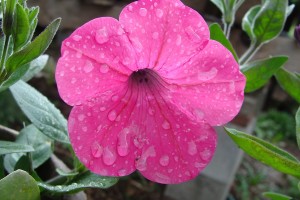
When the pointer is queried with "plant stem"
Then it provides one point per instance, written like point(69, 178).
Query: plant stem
point(4, 53)
point(228, 30)
point(57, 180)
point(9, 130)
point(254, 47)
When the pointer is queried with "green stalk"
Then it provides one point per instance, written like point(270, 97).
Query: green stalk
point(254, 47)
point(4, 54)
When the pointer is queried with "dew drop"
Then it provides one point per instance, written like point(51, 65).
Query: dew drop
point(159, 13)
point(122, 172)
point(143, 12)
point(104, 68)
point(198, 114)
point(206, 154)
point(151, 111)
point(192, 34)
point(96, 149)
point(130, 8)
point(141, 163)
point(88, 67)
point(166, 125)
point(155, 35)
point(178, 40)
point(208, 75)
point(192, 148)
point(123, 145)
point(102, 36)
point(108, 156)
point(137, 44)
point(161, 178)
point(81, 117)
point(164, 160)
point(77, 38)
point(112, 115)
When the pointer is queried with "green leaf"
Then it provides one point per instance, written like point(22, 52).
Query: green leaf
point(219, 4)
point(259, 72)
point(41, 112)
point(276, 196)
point(2, 172)
point(270, 20)
point(33, 49)
point(25, 72)
point(23, 164)
point(21, 27)
point(35, 67)
point(266, 152)
point(290, 82)
point(248, 19)
point(298, 126)
point(33, 13)
point(8, 17)
point(81, 182)
point(12, 147)
point(217, 34)
point(42, 148)
point(19, 185)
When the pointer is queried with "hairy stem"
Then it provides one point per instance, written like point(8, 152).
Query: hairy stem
point(9, 130)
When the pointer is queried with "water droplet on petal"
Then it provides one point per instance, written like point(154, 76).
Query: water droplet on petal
point(159, 13)
point(164, 160)
point(208, 75)
point(104, 68)
point(81, 117)
point(192, 148)
point(141, 163)
point(122, 172)
point(151, 111)
point(206, 154)
point(88, 67)
point(102, 35)
point(155, 35)
point(112, 115)
point(178, 40)
point(137, 44)
point(198, 114)
point(143, 12)
point(130, 8)
point(123, 144)
point(96, 149)
point(192, 34)
point(161, 178)
point(108, 156)
point(166, 125)
point(77, 38)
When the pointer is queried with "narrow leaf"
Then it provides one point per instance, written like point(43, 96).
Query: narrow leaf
point(270, 20)
point(266, 152)
point(290, 82)
point(81, 182)
point(35, 67)
point(41, 112)
point(276, 196)
point(8, 16)
point(19, 185)
point(12, 147)
point(259, 72)
point(217, 34)
point(248, 19)
point(34, 49)
point(20, 27)
point(219, 4)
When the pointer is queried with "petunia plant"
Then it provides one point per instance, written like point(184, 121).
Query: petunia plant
point(146, 91)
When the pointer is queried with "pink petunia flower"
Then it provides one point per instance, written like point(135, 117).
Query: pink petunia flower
point(147, 90)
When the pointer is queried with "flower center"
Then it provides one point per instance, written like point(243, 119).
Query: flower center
point(142, 76)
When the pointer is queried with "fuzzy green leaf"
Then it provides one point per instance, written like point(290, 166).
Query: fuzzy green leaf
point(12, 147)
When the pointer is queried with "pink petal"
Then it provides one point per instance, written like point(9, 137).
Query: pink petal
point(101, 133)
point(209, 86)
point(79, 78)
point(134, 128)
point(165, 33)
point(96, 55)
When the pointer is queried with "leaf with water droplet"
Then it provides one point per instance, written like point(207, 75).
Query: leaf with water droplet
point(12, 147)
point(41, 112)
point(81, 182)
point(266, 152)
point(42, 148)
